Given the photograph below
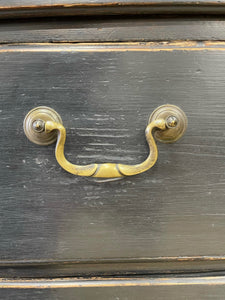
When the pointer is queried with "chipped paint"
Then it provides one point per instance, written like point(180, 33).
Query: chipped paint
point(110, 282)
point(115, 47)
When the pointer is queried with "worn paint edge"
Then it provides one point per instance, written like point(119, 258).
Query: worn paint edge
point(115, 47)
point(110, 282)
point(115, 3)
point(161, 259)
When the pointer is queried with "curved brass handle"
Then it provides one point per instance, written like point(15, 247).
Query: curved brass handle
point(168, 121)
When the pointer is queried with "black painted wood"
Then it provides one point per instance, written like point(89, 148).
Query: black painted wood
point(41, 8)
point(132, 293)
point(105, 98)
point(74, 29)
point(199, 266)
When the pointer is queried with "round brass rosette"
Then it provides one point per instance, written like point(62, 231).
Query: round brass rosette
point(176, 122)
point(34, 125)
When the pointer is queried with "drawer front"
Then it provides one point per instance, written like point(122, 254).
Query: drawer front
point(105, 94)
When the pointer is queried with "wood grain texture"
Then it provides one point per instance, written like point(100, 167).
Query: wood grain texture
point(197, 266)
point(42, 8)
point(123, 289)
point(121, 293)
point(112, 29)
point(104, 99)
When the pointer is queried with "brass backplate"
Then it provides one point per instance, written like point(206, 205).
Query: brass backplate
point(45, 114)
point(171, 134)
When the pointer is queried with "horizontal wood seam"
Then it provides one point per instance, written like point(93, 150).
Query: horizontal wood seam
point(116, 260)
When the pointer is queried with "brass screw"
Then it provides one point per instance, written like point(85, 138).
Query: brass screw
point(171, 122)
point(38, 125)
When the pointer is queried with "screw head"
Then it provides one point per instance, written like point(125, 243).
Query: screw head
point(38, 125)
point(171, 121)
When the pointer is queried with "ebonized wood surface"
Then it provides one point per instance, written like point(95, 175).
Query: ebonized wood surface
point(105, 95)
point(105, 29)
point(42, 8)
point(165, 226)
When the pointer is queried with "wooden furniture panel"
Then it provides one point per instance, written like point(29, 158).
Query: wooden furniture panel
point(105, 94)
point(105, 66)
point(105, 29)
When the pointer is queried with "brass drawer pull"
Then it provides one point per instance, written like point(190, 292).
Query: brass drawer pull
point(43, 125)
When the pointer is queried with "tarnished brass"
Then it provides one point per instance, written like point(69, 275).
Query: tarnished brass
point(176, 122)
point(41, 124)
point(34, 125)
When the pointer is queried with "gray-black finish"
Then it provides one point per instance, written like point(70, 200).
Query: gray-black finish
point(42, 8)
point(104, 98)
point(159, 235)
point(105, 29)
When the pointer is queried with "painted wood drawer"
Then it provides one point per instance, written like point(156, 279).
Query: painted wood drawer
point(157, 235)
point(170, 218)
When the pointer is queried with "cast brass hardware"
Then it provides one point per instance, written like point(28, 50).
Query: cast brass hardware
point(43, 126)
